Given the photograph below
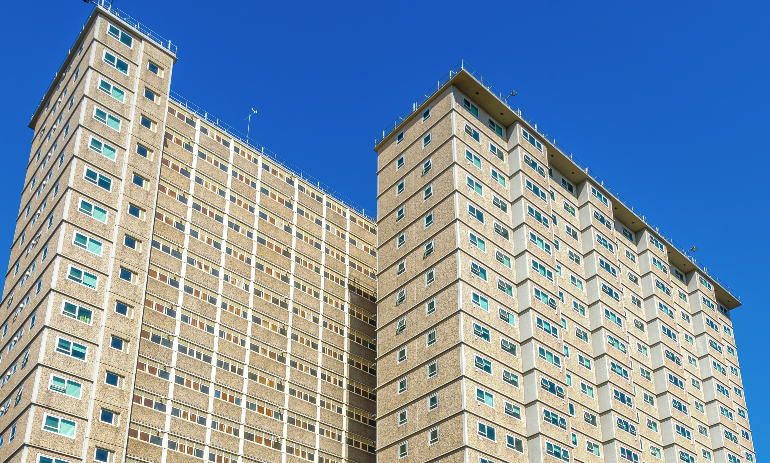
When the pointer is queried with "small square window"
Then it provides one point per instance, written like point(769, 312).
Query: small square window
point(101, 455)
point(130, 242)
point(139, 181)
point(150, 95)
point(154, 68)
point(112, 379)
point(117, 343)
point(136, 211)
point(143, 151)
point(121, 308)
point(147, 122)
point(107, 416)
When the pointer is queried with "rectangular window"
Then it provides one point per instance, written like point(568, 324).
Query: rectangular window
point(77, 312)
point(84, 278)
point(115, 62)
point(58, 425)
point(147, 123)
point(470, 107)
point(426, 140)
point(106, 118)
point(486, 431)
point(150, 95)
point(112, 90)
point(87, 243)
point(75, 350)
point(65, 386)
point(102, 148)
point(495, 127)
point(97, 179)
point(154, 68)
point(530, 138)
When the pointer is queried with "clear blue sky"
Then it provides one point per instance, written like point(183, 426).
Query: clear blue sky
point(666, 101)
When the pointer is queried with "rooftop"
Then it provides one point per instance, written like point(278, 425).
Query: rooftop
point(259, 148)
point(463, 75)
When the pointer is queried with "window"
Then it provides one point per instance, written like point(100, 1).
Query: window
point(400, 214)
point(549, 356)
point(402, 385)
point(401, 327)
point(426, 140)
point(143, 151)
point(140, 181)
point(432, 369)
point(472, 158)
point(512, 410)
point(684, 432)
point(112, 379)
point(401, 240)
point(426, 114)
point(107, 416)
point(476, 213)
point(470, 107)
point(556, 451)
point(402, 354)
point(117, 343)
point(508, 346)
point(100, 454)
point(82, 277)
point(136, 211)
point(154, 68)
point(130, 242)
point(403, 449)
point(426, 167)
point(65, 386)
point(530, 138)
point(427, 193)
point(431, 338)
point(433, 436)
point(127, 275)
point(400, 187)
point(500, 203)
point(514, 443)
point(102, 148)
point(537, 216)
point(429, 220)
point(482, 364)
point(77, 312)
point(603, 241)
point(542, 244)
point(486, 431)
point(403, 417)
point(428, 249)
point(115, 62)
point(474, 185)
point(120, 35)
point(433, 402)
point(576, 282)
point(502, 258)
point(430, 307)
point(147, 122)
point(498, 177)
point(586, 389)
point(112, 90)
point(97, 179)
point(479, 301)
point(150, 95)
point(58, 425)
point(477, 241)
point(502, 231)
point(495, 126)
point(401, 268)
point(485, 397)
point(535, 189)
point(87, 243)
point(481, 332)
point(479, 271)
point(121, 308)
point(107, 119)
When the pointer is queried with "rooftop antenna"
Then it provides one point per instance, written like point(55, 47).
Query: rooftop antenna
point(248, 125)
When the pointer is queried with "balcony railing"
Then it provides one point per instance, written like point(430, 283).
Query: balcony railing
point(463, 66)
point(258, 148)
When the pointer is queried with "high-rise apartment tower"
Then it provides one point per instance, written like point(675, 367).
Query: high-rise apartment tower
point(527, 314)
point(174, 293)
